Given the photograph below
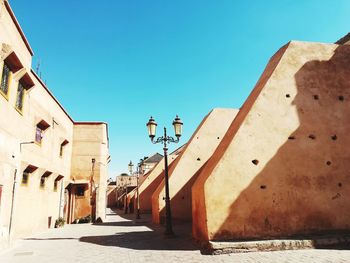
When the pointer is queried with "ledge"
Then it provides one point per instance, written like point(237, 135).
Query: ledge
point(218, 247)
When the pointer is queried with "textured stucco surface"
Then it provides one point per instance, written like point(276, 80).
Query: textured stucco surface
point(294, 127)
point(151, 181)
point(90, 141)
point(185, 169)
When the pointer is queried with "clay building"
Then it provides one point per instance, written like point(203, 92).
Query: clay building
point(185, 169)
point(124, 184)
point(148, 163)
point(282, 169)
point(151, 170)
point(152, 179)
point(41, 146)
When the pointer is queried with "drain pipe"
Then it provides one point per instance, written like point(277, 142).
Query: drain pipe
point(14, 186)
point(60, 205)
point(12, 202)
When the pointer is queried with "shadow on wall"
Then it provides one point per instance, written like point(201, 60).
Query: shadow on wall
point(303, 189)
point(181, 203)
point(146, 194)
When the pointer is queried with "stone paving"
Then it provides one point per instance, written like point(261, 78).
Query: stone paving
point(122, 240)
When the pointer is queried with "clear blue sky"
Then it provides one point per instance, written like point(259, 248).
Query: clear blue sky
point(122, 61)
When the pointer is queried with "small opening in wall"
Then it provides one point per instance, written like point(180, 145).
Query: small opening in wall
point(328, 163)
point(255, 161)
point(291, 138)
point(262, 186)
point(198, 159)
point(340, 184)
point(218, 138)
point(341, 98)
point(287, 96)
point(316, 97)
point(312, 137)
point(334, 137)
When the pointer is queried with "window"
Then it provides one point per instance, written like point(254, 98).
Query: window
point(80, 191)
point(55, 183)
point(43, 179)
point(25, 178)
point(26, 173)
point(39, 131)
point(20, 96)
point(64, 143)
point(38, 135)
point(5, 79)
point(0, 193)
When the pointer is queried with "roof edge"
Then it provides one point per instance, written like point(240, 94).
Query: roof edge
point(343, 40)
point(52, 96)
point(14, 19)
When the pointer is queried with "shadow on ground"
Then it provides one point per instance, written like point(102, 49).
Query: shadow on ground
point(152, 238)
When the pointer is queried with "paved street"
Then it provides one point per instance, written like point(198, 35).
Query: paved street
point(121, 240)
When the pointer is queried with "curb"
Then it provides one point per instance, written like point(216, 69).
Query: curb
point(217, 247)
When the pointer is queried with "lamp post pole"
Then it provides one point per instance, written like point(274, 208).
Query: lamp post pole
point(169, 225)
point(138, 193)
point(165, 139)
point(126, 199)
point(130, 167)
point(92, 190)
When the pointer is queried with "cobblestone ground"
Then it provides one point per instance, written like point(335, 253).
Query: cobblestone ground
point(122, 240)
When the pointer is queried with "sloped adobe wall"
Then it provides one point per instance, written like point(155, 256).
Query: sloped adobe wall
point(283, 167)
point(185, 169)
point(151, 182)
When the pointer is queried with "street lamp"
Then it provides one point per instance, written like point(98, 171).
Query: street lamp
point(93, 190)
point(130, 168)
point(165, 139)
point(137, 190)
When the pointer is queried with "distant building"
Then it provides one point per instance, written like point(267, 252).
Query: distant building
point(46, 168)
point(150, 162)
point(124, 184)
point(111, 194)
point(126, 180)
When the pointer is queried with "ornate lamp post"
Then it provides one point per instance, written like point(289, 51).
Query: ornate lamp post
point(93, 190)
point(139, 171)
point(130, 168)
point(165, 139)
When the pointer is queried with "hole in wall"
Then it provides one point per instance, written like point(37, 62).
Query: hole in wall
point(218, 138)
point(312, 137)
point(198, 159)
point(316, 97)
point(341, 98)
point(291, 138)
point(334, 137)
point(262, 186)
point(328, 163)
point(255, 161)
point(287, 96)
point(340, 184)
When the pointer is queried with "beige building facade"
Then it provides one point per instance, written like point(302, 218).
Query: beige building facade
point(41, 147)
